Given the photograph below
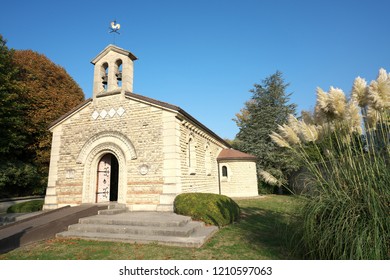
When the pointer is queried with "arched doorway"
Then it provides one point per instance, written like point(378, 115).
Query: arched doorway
point(99, 145)
point(107, 179)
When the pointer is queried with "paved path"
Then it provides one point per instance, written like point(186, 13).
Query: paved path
point(42, 226)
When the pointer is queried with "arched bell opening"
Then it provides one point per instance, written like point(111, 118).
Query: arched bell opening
point(118, 72)
point(104, 75)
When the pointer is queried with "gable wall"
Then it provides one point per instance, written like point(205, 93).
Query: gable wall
point(141, 123)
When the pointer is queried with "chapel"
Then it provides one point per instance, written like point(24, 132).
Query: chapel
point(119, 146)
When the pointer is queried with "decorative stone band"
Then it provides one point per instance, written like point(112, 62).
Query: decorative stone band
point(111, 113)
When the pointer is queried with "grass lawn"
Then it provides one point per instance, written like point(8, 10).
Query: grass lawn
point(263, 233)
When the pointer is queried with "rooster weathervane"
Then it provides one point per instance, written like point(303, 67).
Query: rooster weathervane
point(114, 27)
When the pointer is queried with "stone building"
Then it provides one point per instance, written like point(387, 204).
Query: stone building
point(124, 147)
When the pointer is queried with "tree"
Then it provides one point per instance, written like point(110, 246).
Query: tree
point(50, 93)
point(33, 93)
point(17, 173)
point(12, 114)
point(268, 107)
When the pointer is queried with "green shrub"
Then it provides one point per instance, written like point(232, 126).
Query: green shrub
point(213, 209)
point(26, 207)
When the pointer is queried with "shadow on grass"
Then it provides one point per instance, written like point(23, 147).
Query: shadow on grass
point(271, 230)
point(228, 213)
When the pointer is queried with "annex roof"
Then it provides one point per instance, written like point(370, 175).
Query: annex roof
point(231, 154)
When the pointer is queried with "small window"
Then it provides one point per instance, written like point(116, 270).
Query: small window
point(224, 171)
point(208, 160)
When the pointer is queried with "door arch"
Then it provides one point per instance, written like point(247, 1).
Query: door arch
point(105, 142)
point(91, 167)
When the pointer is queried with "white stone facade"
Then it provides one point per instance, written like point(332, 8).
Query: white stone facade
point(160, 149)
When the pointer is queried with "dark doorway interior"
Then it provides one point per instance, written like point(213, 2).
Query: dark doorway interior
point(114, 179)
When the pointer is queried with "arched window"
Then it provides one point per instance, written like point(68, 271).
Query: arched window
point(118, 72)
point(224, 171)
point(191, 155)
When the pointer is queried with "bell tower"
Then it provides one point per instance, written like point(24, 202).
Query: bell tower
point(113, 73)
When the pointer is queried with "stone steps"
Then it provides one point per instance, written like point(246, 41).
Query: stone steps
point(196, 240)
point(113, 209)
point(147, 219)
point(183, 231)
point(142, 227)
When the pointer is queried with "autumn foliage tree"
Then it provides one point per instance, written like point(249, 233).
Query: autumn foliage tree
point(51, 92)
point(42, 91)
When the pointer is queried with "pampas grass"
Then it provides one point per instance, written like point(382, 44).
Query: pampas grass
point(348, 217)
point(347, 211)
point(268, 178)
point(360, 92)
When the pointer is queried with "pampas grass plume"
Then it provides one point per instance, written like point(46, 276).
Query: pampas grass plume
point(279, 140)
point(360, 91)
point(268, 178)
point(337, 102)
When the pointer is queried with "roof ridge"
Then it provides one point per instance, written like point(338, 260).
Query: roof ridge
point(179, 110)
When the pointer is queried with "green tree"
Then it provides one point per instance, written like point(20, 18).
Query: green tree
point(17, 173)
point(268, 107)
point(12, 114)
point(33, 93)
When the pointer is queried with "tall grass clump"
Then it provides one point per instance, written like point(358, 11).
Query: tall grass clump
point(346, 153)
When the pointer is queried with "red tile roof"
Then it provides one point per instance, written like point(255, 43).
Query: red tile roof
point(232, 154)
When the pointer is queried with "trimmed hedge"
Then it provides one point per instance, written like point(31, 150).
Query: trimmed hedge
point(26, 207)
point(213, 209)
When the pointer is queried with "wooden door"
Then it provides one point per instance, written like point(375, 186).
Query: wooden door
point(104, 179)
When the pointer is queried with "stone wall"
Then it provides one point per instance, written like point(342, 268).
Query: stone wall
point(199, 162)
point(241, 180)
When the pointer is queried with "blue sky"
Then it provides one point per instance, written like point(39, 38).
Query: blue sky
point(205, 55)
